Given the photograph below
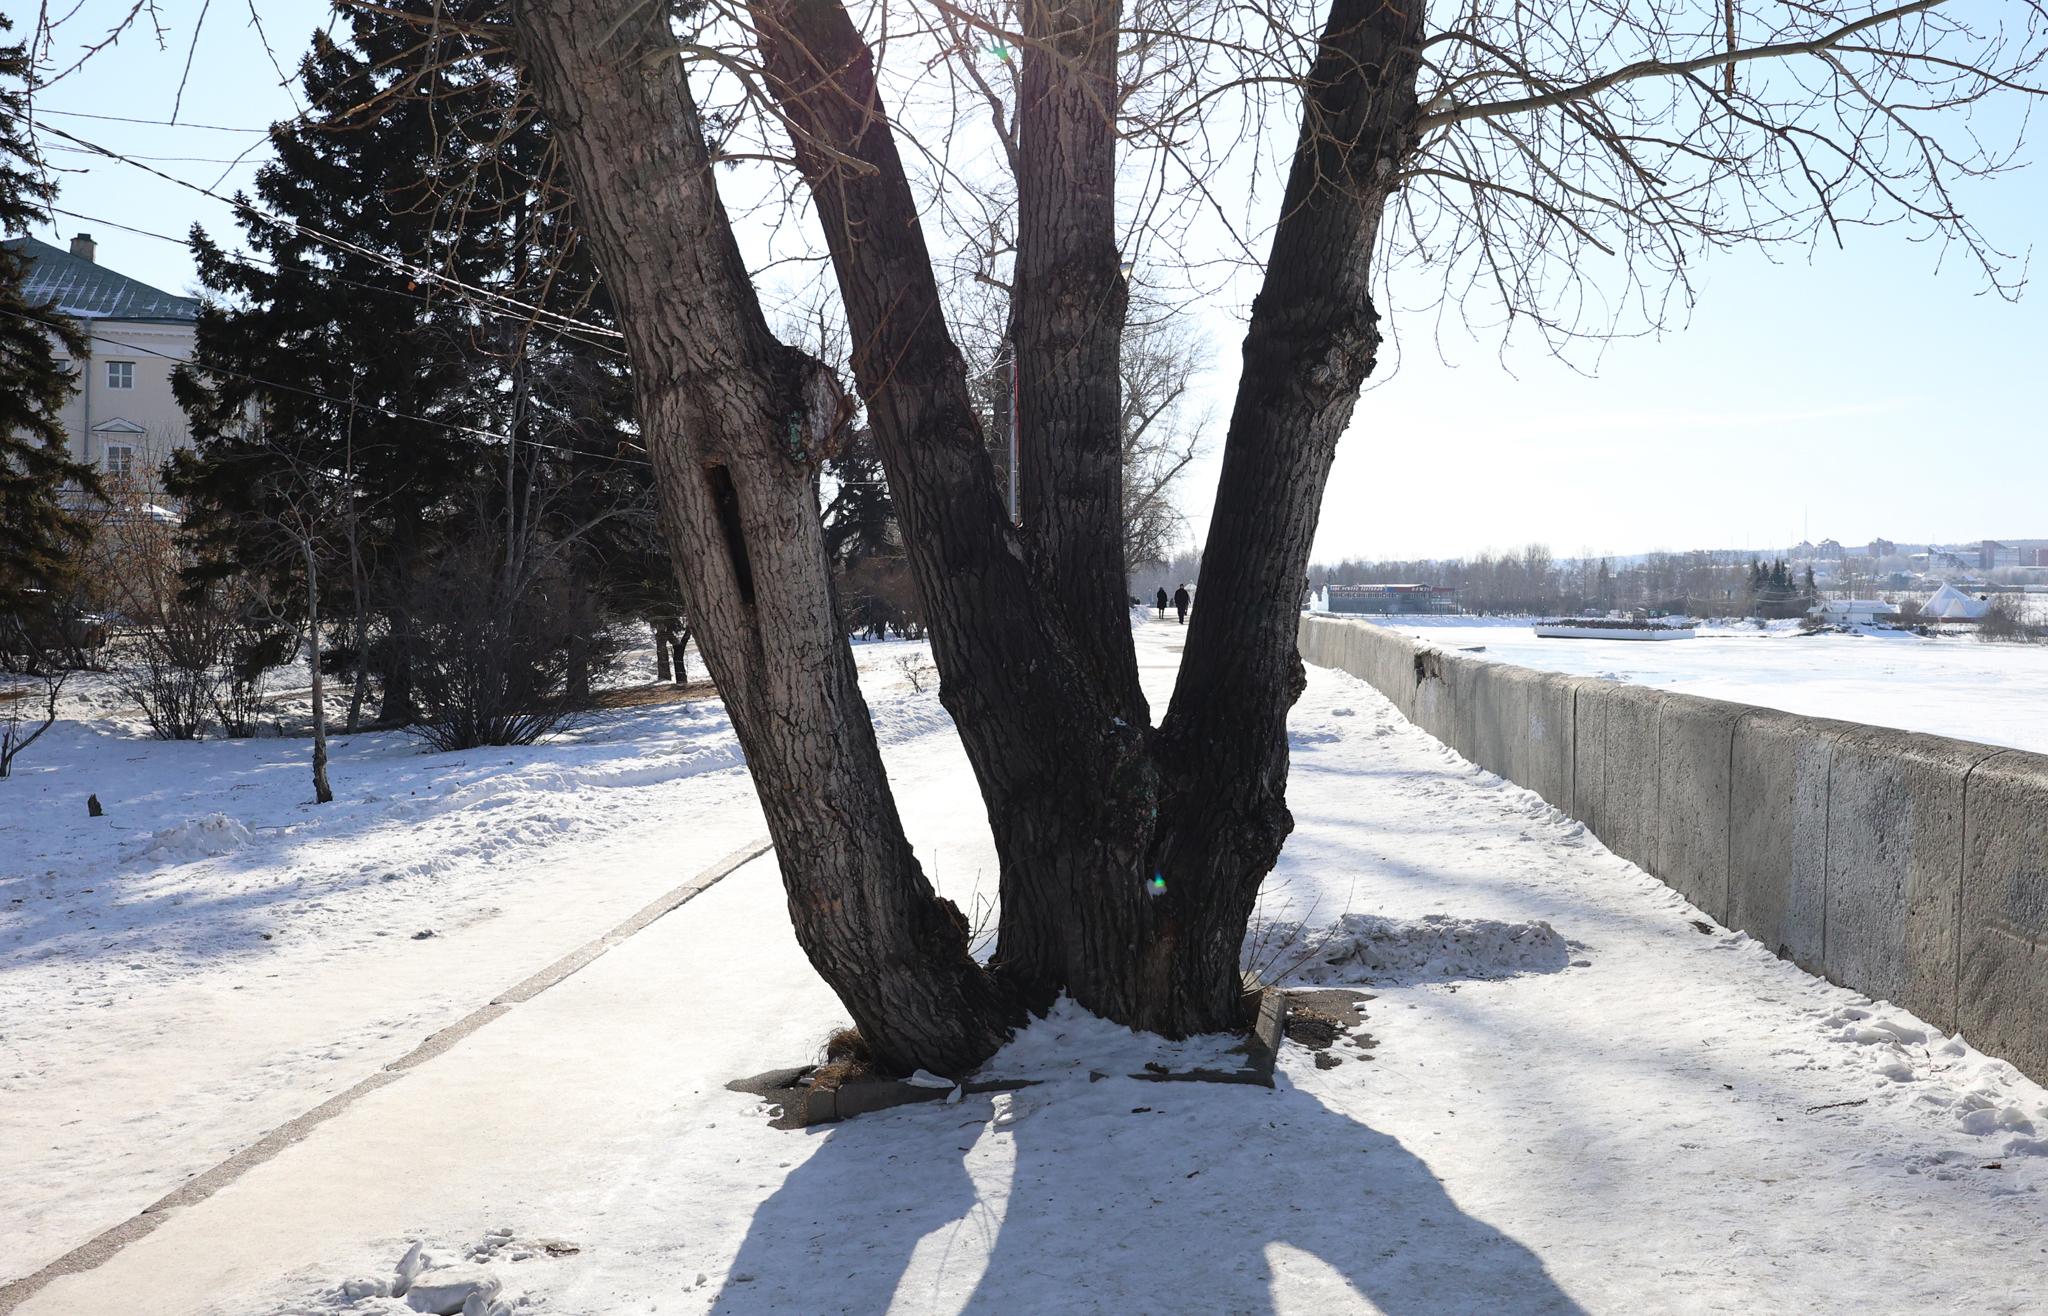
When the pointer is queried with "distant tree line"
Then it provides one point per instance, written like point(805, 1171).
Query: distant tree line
point(1533, 581)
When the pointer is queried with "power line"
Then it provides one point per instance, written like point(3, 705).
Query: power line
point(314, 271)
point(331, 398)
point(165, 159)
point(415, 272)
point(154, 123)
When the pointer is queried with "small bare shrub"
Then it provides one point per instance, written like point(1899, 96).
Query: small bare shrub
point(173, 665)
point(916, 670)
point(502, 654)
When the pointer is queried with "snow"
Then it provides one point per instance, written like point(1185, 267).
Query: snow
point(1951, 685)
point(218, 955)
point(1673, 1120)
point(197, 838)
point(1071, 1044)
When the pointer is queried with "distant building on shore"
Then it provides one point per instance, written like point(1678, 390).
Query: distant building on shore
point(1858, 612)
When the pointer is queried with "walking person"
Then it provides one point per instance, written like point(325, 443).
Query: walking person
point(1181, 599)
point(1162, 603)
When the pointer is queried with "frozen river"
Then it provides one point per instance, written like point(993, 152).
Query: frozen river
point(1953, 686)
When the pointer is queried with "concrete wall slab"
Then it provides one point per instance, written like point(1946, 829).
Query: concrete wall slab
point(1778, 832)
point(1695, 755)
point(1895, 864)
point(1630, 780)
point(2003, 989)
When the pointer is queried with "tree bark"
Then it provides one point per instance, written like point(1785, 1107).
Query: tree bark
point(736, 424)
point(1067, 305)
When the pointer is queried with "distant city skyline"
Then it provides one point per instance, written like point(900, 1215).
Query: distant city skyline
point(1864, 392)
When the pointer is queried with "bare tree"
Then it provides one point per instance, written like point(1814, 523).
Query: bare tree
point(21, 727)
point(1561, 165)
point(305, 508)
point(1161, 433)
point(23, 716)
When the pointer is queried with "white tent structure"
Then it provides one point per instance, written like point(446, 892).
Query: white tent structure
point(1950, 604)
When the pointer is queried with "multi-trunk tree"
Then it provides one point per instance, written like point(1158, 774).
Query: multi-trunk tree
point(1509, 144)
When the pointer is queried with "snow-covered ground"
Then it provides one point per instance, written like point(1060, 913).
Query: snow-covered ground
point(1583, 1096)
point(217, 954)
point(1951, 685)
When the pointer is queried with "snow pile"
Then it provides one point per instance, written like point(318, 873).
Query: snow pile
point(1070, 1042)
point(195, 838)
point(421, 1283)
point(1369, 948)
point(1987, 1097)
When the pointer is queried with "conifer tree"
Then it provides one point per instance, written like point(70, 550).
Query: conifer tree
point(361, 346)
point(40, 535)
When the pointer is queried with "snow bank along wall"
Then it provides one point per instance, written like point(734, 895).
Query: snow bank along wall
point(1909, 867)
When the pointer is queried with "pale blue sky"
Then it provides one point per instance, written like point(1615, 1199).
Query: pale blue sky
point(1859, 393)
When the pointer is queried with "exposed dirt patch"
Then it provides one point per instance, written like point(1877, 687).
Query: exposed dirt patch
point(654, 692)
point(1320, 1020)
point(1317, 1032)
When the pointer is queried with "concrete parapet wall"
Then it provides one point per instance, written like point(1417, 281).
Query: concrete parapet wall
point(1909, 867)
point(2002, 984)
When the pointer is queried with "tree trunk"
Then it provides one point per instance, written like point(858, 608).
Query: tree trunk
point(736, 425)
point(1129, 857)
point(394, 664)
point(662, 670)
point(322, 792)
point(1311, 343)
point(1067, 309)
point(359, 683)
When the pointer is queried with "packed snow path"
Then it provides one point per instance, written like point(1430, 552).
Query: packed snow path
point(1668, 1120)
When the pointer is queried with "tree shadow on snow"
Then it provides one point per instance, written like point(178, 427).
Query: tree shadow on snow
point(1127, 1197)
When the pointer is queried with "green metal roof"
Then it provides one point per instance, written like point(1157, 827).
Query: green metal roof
point(82, 288)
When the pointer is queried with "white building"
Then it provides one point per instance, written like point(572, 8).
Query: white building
point(1858, 612)
point(123, 419)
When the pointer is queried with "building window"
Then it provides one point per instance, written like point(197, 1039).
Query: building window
point(120, 461)
point(120, 374)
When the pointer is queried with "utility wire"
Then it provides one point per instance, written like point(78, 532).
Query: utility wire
point(315, 271)
point(41, 110)
point(416, 272)
point(163, 159)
